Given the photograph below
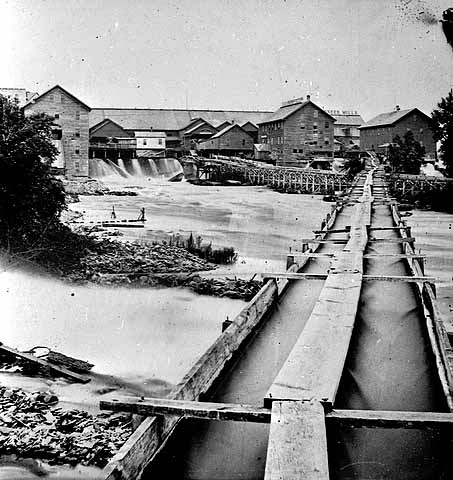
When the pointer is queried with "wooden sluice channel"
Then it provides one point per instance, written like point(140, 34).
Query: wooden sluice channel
point(339, 368)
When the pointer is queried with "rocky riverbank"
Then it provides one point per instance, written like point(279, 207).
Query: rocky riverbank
point(33, 426)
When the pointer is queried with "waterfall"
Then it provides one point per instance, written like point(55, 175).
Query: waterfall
point(136, 168)
point(122, 165)
point(140, 168)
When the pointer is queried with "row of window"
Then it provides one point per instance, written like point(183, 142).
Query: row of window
point(77, 115)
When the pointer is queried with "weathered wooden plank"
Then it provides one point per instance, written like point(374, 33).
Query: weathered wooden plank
point(297, 442)
point(294, 275)
point(206, 410)
point(323, 276)
point(313, 369)
point(392, 419)
point(58, 370)
point(367, 255)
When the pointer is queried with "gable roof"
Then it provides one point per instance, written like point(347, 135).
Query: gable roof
point(286, 110)
point(390, 118)
point(227, 129)
point(343, 119)
point(105, 122)
point(34, 99)
point(249, 123)
point(202, 124)
point(170, 119)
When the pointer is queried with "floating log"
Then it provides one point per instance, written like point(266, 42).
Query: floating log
point(58, 370)
point(69, 362)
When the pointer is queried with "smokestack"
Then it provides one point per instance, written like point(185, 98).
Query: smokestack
point(397, 108)
point(308, 98)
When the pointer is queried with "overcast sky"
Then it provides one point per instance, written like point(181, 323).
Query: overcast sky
point(366, 55)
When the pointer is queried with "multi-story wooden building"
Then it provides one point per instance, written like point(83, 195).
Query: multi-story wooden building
point(380, 131)
point(346, 128)
point(297, 132)
point(71, 127)
point(232, 140)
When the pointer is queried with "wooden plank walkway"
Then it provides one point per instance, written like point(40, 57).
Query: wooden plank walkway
point(297, 442)
point(300, 401)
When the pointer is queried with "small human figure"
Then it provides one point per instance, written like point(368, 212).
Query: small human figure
point(113, 214)
point(142, 214)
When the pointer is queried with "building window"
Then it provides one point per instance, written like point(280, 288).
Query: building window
point(77, 116)
point(294, 150)
point(77, 134)
point(160, 141)
point(57, 116)
point(144, 141)
point(315, 114)
point(421, 130)
point(77, 151)
point(315, 126)
point(326, 141)
point(326, 125)
point(51, 98)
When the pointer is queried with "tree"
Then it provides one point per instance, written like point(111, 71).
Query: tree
point(406, 155)
point(443, 130)
point(31, 198)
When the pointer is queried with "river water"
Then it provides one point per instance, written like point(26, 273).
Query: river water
point(142, 341)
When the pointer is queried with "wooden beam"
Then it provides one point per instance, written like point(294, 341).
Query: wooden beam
point(393, 240)
point(39, 362)
point(297, 442)
point(340, 230)
point(206, 410)
point(323, 276)
point(391, 419)
point(344, 240)
point(250, 413)
point(294, 276)
point(368, 255)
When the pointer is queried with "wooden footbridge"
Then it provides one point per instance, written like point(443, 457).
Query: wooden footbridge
point(339, 368)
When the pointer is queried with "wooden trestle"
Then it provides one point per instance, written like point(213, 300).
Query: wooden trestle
point(286, 179)
point(300, 400)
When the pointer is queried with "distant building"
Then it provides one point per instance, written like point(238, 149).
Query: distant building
point(71, 127)
point(232, 140)
point(150, 144)
point(182, 128)
point(21, 95)
point(110, 140)
point(197, 131)
point(346, 128)
point(298, 131)
point(380, 131)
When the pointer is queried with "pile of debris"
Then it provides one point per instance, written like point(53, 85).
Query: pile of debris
point(121, 257)
point(32, 426)
point(235, 288)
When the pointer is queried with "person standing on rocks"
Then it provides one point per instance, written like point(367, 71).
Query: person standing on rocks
point(113, 214)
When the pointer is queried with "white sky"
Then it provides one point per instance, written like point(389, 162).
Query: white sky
point(367, 55)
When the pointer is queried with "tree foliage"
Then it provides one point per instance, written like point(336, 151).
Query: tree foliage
point(31, 198)
point(443, 130)
point(406, 154)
